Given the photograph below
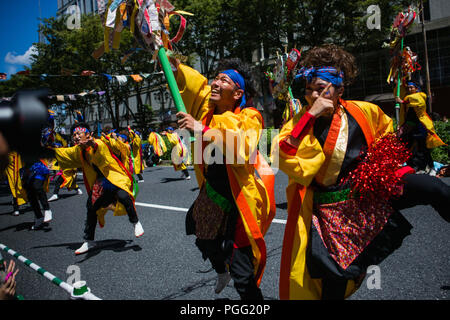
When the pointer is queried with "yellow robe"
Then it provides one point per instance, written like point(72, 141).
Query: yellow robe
point(417, 101)
point(69, 175)
point(302, 168)
point(13, 175)
point(59, 138)
point(136, 142)
point(110, 167)
point(159, 146)
point(181, 150)
point(123, 149)
point(254, 201)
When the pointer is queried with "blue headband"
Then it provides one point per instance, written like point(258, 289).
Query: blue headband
point(82, 129)
point(410, 83)
point(239, 81)
point(329, 74)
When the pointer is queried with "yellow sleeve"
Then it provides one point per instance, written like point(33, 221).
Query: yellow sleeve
point(172, 139)
point(304, 165)
point(136, 143)
point(236, 135)
point(194, 90)
point(150, 138)
point(417, 100)
point(381, 124)
point(161, 142)
point(68, 158)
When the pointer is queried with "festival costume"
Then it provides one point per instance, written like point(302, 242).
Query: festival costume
point(64, 178)
point(122, 150)
point(418, 127)
point(181, 151)
point(236, 236)
point(106, 180)
point(329, 239)
point(35, 178)
point(158, 144)
point(15, 182)
point(136, 148)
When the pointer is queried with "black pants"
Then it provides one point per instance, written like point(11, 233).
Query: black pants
point(186, 173)
point(240, 260)
point(422, 189)
point(105, 200)
point(421, 155)
point(58, 183)
point(15, 204)
point(140, 177)
point(36, 194)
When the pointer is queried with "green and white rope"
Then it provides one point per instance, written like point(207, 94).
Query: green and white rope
point(46, 274)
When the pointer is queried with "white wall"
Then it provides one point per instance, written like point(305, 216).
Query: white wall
point(439, 9)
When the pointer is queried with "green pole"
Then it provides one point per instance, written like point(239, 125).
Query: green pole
point(173, 87)
point(179, 104)
point(397, 105)
point(63, 285)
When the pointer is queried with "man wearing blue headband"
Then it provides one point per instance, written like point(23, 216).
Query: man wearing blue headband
point(417, 128)
point(233, 209)
point(329, 239)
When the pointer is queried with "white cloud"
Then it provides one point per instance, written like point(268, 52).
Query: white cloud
point(11, 70)
point(25, 59)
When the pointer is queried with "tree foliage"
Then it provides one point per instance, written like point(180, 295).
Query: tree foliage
point(222, 28)
point(71, 50)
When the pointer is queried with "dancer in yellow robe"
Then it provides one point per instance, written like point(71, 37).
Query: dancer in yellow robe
point(416, 127)
point(180, 152)
point(158, 144)
point(330, 238)
point(108, 182)
point(14, 181)
point(218, 115)
point(136, 147)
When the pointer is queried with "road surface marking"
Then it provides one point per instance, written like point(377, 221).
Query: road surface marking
point(157, 206)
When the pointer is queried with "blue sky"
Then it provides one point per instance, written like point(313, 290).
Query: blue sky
point(19, 30)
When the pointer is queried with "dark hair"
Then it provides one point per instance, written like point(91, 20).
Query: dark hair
point(245, 72)
point(331, 55)
point(79, 124)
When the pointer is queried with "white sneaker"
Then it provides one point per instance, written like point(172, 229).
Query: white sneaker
point(47, 215)
point(16, 213)
point(53, 198)
point(86, 246)
point(140, 181)
point(79, 191)
point(432, 173)
point(188, 178)
point(38, 223)
point(138, 230)
point(222, 281)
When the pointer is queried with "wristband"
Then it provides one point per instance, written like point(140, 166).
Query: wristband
point(305, 122)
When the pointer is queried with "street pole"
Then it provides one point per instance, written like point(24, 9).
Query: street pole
point(427, 68)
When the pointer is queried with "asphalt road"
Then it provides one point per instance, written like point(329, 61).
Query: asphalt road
point(165, 264)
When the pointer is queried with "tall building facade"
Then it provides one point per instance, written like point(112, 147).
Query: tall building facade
point(86, 6)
